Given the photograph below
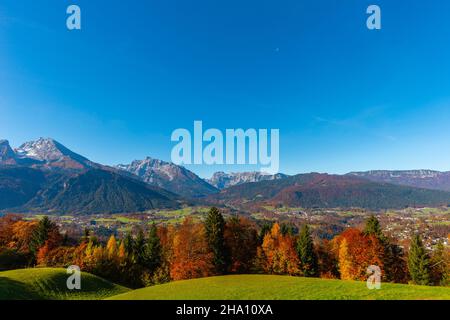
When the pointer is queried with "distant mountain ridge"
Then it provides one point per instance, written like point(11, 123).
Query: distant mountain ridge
point(428, 179)
point(169, 176)
point(329, 191)
point(222, 180)
point(45, 176)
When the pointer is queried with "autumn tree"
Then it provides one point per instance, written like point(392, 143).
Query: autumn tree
point(214, 229)
point(306, 253)
point(191, 257)
point(62, 256)
point(327, 260)
point(241, 241)
point(346, 264)
point(22, 235)
point(111, 248)
point(356, 252)
point(419, 262)
point(122, 253)
point(6, 229)
point(277, 253)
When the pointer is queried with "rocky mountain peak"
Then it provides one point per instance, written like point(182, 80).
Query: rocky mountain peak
point(7, 155)
point(51, 153)
point(169, 176)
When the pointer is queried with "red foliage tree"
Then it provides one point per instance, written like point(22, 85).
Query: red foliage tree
point(241, 240)
point(356, 252)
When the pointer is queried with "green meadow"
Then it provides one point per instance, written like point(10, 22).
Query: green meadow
point(269, 287)
point(50, 284)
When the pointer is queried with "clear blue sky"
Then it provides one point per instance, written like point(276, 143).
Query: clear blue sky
point(344, 98)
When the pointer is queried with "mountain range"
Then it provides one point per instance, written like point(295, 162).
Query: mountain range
point(45, 176)
point(222, 180)
point(169, 176)
point(427, 179)
point(318, 190)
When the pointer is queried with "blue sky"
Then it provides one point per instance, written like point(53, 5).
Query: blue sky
point(344, 98)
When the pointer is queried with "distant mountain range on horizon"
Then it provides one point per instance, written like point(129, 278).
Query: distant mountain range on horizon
point(45, 176)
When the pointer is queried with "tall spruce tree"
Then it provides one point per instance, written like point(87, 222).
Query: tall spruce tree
point(265, 229)
point(373, 228)
point(215, 228)
point(306, 254)
point(440, 265)
point(40, 234)
point(419, 262)
point(128, 243)
point(153, 250)
point(139, 248)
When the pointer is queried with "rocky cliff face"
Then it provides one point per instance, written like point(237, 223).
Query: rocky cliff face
point(169, 176)
point(222, 180)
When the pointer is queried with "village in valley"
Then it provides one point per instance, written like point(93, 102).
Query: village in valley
point(400, 225)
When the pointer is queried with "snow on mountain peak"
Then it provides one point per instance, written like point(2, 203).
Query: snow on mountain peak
point(43, 149)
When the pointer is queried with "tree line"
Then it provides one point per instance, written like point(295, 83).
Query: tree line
point(218, 246)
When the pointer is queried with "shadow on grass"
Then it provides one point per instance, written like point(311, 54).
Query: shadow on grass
point(15, 290)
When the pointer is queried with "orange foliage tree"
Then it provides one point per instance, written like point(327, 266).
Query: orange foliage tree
point(22, 235)
point(356, 252)
point(191, 257)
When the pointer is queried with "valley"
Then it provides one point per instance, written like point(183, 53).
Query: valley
point(44, 177)
point(432, 223)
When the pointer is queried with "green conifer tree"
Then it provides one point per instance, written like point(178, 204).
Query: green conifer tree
point(215, 228)
point(40, 234)
point(306, 253)
point(373, 228)
point(153, 250)
point(419, 262)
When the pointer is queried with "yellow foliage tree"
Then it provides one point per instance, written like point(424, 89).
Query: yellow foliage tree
point(277, 254)
point(345, 262)
point(111, 247)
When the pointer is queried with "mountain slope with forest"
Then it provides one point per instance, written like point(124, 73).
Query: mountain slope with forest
point(100, 191)
point(330, 191)
point(428, 179)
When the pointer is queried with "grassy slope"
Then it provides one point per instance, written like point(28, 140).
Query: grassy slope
point(50, 283)
point(260, 287)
